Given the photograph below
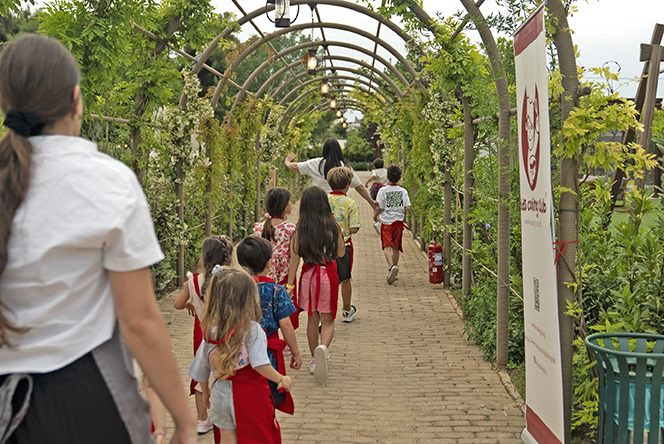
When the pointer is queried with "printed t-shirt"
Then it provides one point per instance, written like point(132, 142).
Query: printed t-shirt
point(346, 212)
point(393, 200)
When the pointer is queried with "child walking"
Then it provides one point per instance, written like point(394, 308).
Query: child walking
point(393, 203)
point(234, 350)
point(347, 214)
point(283, 268)
point(318, 241)
point(255, 255)
point(216, 250)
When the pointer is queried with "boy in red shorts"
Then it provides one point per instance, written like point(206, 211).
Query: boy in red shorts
point(393, 203)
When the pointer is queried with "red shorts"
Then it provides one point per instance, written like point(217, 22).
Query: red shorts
point(390, 235)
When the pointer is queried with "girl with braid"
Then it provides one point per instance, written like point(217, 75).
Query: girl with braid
point(216, 250)
point(76, 244)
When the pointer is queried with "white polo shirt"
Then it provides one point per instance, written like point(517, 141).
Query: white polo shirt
point(314, 169)
point(84, 213)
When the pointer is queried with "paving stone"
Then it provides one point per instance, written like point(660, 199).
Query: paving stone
point(402, 372)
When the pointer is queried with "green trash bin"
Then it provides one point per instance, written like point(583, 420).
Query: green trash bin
point(631, 395)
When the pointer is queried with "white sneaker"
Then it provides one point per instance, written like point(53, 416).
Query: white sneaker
point(348, 315)
point(312, 365)
point(204, 426)
point(377, 227)
point(392, 274)
point(320, 369)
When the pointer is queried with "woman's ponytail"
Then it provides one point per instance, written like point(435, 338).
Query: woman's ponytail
point(15, 159)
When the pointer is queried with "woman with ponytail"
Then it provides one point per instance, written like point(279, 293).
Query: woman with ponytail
point(76, 244)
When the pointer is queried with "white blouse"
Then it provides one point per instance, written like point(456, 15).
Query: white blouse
point(84, 213)
point(311, 168)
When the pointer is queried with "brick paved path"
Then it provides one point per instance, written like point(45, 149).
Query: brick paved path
point(402, 372)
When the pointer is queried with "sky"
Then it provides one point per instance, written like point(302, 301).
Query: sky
point(605, 31)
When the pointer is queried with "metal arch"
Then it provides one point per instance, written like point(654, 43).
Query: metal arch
point(283, 86)
point(333, 77)
point(286, 51)
point(347, 101)
point(258, 43)
point(387, 64)
point(342, 4)
point(302, 96)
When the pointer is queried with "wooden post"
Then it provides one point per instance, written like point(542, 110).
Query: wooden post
point(447, 243)
point(652, 54)
point(179, 191)
point(468, 185)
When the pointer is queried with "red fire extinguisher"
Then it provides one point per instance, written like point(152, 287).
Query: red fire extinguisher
point(435, 263)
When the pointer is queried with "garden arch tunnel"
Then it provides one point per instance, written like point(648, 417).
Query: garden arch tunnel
point(346, 103)
point(287, 51)
point(377, 89)
point(258, 43)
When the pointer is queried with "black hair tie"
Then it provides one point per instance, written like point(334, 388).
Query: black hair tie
point(24, 124)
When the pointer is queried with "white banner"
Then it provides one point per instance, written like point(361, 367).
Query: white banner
point(544, 385)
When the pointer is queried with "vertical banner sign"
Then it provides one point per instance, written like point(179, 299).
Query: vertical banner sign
point(544, 385)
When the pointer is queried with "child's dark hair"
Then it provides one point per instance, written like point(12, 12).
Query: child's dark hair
point(339, 178)
point(216, 250)
point(253, 253)
point(332, 156)
point(317, 231)
point(378, 163)
point(38, 78)
point(393, 173)
point(276, 201)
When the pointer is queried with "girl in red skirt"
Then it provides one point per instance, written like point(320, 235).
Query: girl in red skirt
point(318, 241)
point(234, 350)
point(216, 250)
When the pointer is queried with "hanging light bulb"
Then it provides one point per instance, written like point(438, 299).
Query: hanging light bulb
point(344, 124)
point(311, 61)
point(324, 87)
point(338, 113)
point(333, 103)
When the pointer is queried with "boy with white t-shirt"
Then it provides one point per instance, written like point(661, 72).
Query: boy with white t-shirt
point(393, 203)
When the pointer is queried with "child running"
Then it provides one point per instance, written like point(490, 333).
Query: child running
point(379, 177)
point(234, 350)
point(347, 214)
point(283, 268)
point(255, 255)
point(216, 250)
point(318, 241)
point(393, 203)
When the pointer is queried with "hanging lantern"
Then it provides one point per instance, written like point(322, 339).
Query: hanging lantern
point(324, 87)
point(311, 61)
point(333, 103)
point(281, 13)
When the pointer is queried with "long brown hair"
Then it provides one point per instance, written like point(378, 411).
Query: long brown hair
point(216, 250)
point(276, 201)
point(232, 302)
point(317, 231)
point(37, 80)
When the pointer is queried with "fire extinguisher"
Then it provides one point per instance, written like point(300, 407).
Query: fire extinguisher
point(435, 263)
